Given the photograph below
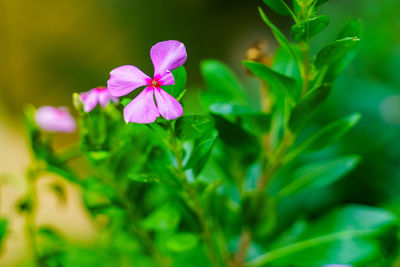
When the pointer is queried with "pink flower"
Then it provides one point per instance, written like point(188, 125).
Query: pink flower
point(52, 119)
point(166, 56)
point(94, 96)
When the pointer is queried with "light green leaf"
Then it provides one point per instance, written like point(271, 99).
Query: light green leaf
point(165, 218)
point(305, 30)
point(180, 78)
point(351, 29)
point(223, 85)
point(346, 235)
point(182, 242)
point(307, 106)
point(318, 174)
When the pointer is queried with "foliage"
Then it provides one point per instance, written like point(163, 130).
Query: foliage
point(225, 188)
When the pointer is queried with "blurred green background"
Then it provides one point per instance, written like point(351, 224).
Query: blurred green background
point(50, 49)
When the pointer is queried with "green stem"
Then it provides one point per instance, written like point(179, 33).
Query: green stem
point(30, 223)
point(195, 203)
point(305, 52)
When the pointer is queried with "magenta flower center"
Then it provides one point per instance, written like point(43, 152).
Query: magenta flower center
point(154, 83)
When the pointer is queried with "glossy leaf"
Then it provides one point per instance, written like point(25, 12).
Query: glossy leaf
point(279, 6)
point(201, 152)
point(282, 40)
point(345, 235)
point(334, 58)
point(351, 29)
point(180, 78)
point(191, 127)
point(182, 242)
point(318, 174)
point(305, 30)
point(308, 105)
point(326, 135)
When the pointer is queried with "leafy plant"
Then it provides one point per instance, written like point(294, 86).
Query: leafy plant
point(225, 188)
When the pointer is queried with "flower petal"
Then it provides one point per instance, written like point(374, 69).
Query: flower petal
point(167, 105)
point(89, 100)
point(167, 56)
point(52, 119)
point(142, 109)
point(167, 79)
point(125, 79)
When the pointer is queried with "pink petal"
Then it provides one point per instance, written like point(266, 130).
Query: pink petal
point(167, 105)
point(167, 56)
point(125, 79)
point(89, 100)
point(167, 79)
point(142, 109)
point(52, 119)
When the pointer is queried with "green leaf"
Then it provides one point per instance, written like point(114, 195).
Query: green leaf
point(190, 127)
point(180, 78)
point(199, 155)
point(319, 174)
point(305, 30)
point(3, 230)
point(336, 51)
point(346, 235)
point(325, 136)
point(334, 58)
point(281, 84)
point(320, 2)
point(223, 85)
point(351, 29)
point(182, 242)
point(165, 218)
point(282, 40)
point(307, 106)
point(233, 135)
point(279, 6)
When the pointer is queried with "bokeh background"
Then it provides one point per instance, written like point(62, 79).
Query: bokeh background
point(50, 49)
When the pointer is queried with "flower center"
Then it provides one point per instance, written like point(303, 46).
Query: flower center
point(155, 83)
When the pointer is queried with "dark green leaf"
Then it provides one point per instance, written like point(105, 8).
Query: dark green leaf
point(318, 174)
point(3, 230)
point(334, 58)
point(307, 106)
point(346, 235)
point(281, 84)
point(320, 2)
point(190, 127)
point(326, 135)
point(305, 30)
point(201, 152)
point(279, 6)
point(336, 51)
point(282, 40)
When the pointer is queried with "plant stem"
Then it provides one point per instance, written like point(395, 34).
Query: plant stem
point(30, 223)
point(195, 203)
point(305, 54)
